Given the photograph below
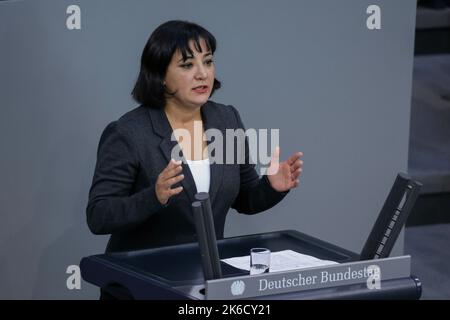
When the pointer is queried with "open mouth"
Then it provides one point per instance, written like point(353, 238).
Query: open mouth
point(200, 89)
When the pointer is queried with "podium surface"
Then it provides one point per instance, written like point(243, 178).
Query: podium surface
point(175, 272)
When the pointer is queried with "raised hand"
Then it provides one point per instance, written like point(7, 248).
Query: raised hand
point(168, 177)
point(285, 175)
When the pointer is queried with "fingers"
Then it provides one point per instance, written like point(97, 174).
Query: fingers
point(296, 168)
point(171, 181)
point(175, 191)
point(171, 174)
point(170, 170)
point(296, 165)
point(166, 179)
point(295, 175)
point(296, 156)
point(295, 183)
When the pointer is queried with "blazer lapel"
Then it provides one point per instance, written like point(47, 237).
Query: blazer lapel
point(161, 126)
point(211, 119)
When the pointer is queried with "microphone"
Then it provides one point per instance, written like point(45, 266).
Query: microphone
point(206, 233)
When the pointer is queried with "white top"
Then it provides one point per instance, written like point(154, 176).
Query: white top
point(200, 173)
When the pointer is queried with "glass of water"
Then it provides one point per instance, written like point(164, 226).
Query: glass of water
point(259, 260)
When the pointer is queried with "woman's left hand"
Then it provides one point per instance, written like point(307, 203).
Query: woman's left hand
point(285, 175)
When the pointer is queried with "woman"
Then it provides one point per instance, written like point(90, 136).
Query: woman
point(139, 194)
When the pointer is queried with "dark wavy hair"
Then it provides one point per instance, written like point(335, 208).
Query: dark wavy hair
point(157, 54)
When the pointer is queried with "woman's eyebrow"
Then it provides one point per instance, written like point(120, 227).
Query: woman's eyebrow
point(209, 53)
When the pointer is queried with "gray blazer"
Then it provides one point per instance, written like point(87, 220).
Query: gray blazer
point(133, 151)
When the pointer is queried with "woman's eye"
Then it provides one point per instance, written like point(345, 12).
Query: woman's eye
point(186, 66)
point(209, 62)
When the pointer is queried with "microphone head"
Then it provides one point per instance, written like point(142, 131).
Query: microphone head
point(202, 196)
point(196, 204)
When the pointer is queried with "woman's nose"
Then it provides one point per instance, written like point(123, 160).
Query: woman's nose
point(201, 73)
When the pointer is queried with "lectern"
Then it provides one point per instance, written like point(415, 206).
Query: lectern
point(175, 272)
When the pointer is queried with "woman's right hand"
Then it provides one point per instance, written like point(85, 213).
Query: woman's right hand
point(168, 177)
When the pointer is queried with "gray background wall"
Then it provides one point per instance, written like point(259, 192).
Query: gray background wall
point(339, 92)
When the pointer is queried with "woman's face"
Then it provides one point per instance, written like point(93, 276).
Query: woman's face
point(192, 79)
